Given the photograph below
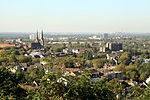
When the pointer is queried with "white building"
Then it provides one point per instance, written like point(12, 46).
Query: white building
point(32, 36)
point(148, 80)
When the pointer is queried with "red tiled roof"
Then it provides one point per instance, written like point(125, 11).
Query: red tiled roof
point(72, 69)
point(7, 45)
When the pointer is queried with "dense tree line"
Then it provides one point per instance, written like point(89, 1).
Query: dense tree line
point(40, 85)
point(55, 85)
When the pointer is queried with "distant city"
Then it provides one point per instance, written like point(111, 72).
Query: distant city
point(98, 35)
point(74, 49)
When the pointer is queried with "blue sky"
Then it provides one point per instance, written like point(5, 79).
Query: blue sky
point(75, 15)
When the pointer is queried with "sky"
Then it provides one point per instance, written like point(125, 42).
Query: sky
point(75, 15)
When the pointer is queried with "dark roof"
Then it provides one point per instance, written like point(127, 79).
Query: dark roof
point(36, 46)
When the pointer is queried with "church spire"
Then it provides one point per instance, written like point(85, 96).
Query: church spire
point(37, 37)
point(42, 38)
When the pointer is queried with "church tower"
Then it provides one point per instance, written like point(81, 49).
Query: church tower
point(37, 37)
point(42, 38)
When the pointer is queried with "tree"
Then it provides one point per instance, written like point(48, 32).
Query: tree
point(24, 59)
point(74, 88)
point(125, 58)
point(116, 87)
point(88, 55)
point(99, 62)
point(33, 74)
point(9, 86)
point(15, 52)
point(12, 59)
point(137, 93)
point(144, 71)
point(3, 60)
point(57, 47)
point(120, 67)
point(144, 95)
point(131, 72)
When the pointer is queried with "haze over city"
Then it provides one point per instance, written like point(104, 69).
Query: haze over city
point(74, 50)
point(75, 15)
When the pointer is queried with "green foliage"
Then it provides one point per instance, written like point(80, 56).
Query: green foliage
point(15, 52)
point(117, 88)
point(24, 59)
point(55, 85)
point(36, 60)
point(136, 93)
point(9, 86)
point(74, 88)
point(88, 55)
point(131, 72)
point(144, 71)
point(57, 47)
point(120, 67)
point(125, 58)
point(3, 60)
point(12, 58)
point(33, 74)
point(144, 95)
point(99, 62)
point(36, 94)
point(68, 61)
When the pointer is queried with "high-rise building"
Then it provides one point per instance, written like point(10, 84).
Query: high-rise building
point(105, 36)
point(114, 46)
point(32, 37)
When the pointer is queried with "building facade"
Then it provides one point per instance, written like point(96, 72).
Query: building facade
point(114, 46)
point(39, 40)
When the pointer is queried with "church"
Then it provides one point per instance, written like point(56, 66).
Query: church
point(39, 42)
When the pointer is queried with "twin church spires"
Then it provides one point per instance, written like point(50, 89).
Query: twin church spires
point(40, 39)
